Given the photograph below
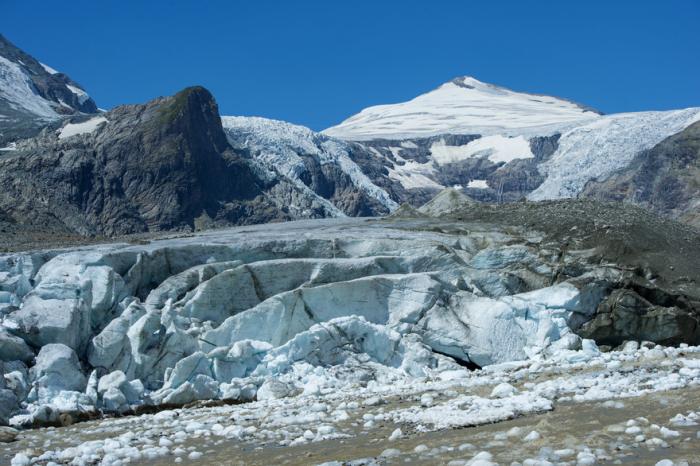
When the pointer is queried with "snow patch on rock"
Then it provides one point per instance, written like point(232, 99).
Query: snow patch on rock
point(86, 127)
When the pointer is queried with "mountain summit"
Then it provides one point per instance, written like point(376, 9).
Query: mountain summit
point(465, 105)
point(33, 94)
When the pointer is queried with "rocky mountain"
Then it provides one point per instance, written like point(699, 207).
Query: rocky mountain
point(499, 145)
point(169, 164)
point(491, 143)
point(164, 165)
point(33, 95)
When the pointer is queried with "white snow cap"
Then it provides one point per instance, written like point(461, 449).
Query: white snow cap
point(464, 105)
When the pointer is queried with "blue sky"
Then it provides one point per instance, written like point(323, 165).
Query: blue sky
point(317, 62)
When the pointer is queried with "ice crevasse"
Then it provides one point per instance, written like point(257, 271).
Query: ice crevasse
point(271, 311)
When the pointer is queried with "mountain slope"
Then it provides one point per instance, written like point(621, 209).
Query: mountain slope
point(598, 149)
point(164, 165)
point(665, 178)
point(33, 94)
point(464, 105)
point(316, 164)
point(498, 145)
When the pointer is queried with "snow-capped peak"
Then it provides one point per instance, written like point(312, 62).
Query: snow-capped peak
point(465, 105)
point(472, 82)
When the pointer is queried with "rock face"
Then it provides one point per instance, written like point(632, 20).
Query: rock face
point(33, 95)
point(283, 309)
point(165, 165)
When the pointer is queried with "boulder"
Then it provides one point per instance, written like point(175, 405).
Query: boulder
point(113, 400)
point(17, 379)
point(13, 348)
point(188, 368)
point(44, 321)
point(8, 434)
point(8, 405)
point(110, 347)
point(625, 315)
point(108, 386)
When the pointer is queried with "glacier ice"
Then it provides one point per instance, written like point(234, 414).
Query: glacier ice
point(578, 158)
point(273, 311)
point(278, 146)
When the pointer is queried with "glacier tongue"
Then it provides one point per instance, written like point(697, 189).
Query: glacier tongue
point(298, 154)
point(278, 310)
point(596, 150)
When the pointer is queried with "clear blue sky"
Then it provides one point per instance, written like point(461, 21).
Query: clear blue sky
point(317, 62)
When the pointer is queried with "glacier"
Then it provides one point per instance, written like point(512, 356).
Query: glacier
point(596, 150)
point(279, 146)
point(17, 87)
point(235, 314)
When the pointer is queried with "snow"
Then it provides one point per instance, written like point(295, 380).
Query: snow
point(278, 145)
point(591, 146)
point(546, 383)
point(414, 175)
point(48, 69)
point(86, 127)
point(464, 106)
point(598, 149)
point(496, 148)
point(17, 88)
point(478, 184)
point(81, 94)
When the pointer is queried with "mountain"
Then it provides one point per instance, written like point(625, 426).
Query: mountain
point(163, 165)
point(464, 105)
point(665, 178)
point(175, 164)
point(170, 165)
point(318, 165)
point(33, 94)
point(498, 145)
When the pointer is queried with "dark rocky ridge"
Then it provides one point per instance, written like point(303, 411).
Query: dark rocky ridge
point(165, 165)
point(654, 292)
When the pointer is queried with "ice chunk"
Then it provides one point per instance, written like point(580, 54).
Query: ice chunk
point(57, 369)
